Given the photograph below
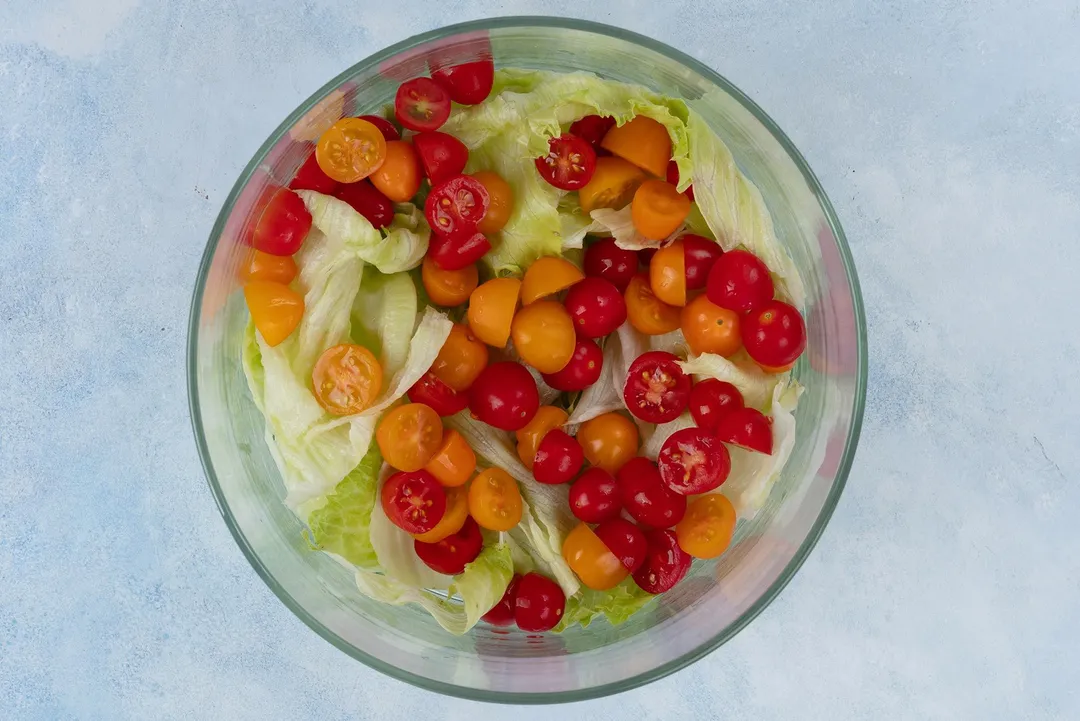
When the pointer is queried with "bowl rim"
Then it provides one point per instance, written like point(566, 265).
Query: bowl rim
point(843, 469)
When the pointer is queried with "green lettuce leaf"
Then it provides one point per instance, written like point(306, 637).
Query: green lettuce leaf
point(383, 316)
point(341, 523)
point(617, 605)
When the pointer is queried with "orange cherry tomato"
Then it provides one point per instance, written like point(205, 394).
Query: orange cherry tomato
point(350, 150)
point(529, 437)
point(501, 204)
point(544, 336)
point(609, 441)
point(409, 436)
point(495, 500)
point(263, 266)
point(448, 287)
point(457, 510)
point(658, 209)
point(491, 310)
point(461, 358)
point(547, 276)
point(667, 274)
point(642, 141)
point(612, 185)
point(346, 379)
point(708, 328)
point(778, 369)
point(708, 526)
point(592, 561)
point(646, 312)
point(275, 308)
point(398, 178)
point(453, 464)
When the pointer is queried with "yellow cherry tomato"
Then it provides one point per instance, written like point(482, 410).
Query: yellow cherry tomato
point(264, 266)
point(658, 209)
point(529, 437)
point(501, 204)
point(347, 378)
point(398, 177)
point(544, 336)
point(643, 141)
point(612, 185)
point(448, 287)
point(461, 358)
point(708, 526)
point(457, 510)
point(350, 150)
point(592, 561)
point(708, 328)
point(491, 310)
point(547, 276)
point(409, 436)
point(495, 500)
point(453, 464)
point(609, 441)
point(275, 309)
point(667, 274)
point(646, 312)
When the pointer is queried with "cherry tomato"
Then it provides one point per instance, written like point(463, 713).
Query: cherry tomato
point(413, 501)
point(385, 126)
point(448, 287)
point(491, 310)
point(408, 436)
point(311, 177)
point(528, 438)
point(612, 184)
point(443, 399)
point(656, 389)
point(747, 428)
point(708, 527)
point(453, 464)
point(457, 510)
point(645, 256)
point(461, 359)
point(495, 500)
point(346, 379)
point(421, 104)
point(625, 540)
point(665, 563)
point(582, 371)
point(592, 561)
point(739, 281)
point(708, 328)
point(275, 308)
point(369, 202)
point(558, 458)
point(647, 313)
point(283, 225)
point(711, 400)
point(539, 603)
point(466, 83)
point(646, 498)
point(773, 370)
point(450, 555)
point(673, 178)
point(263, 266)
point(596, 307)
point(699, 256)
point(693, 461)
point(569, 164)
point(592, 128)
point(398, 178)
point(594, 497)
point(774, 334)
point(667, 274)
point(504, 396)
point(658, 209)
point(442, 156)
point(605, 259)
point(643, 141)
point(502, 613)
point(456, 205)
point(547, 276)
point(543, 335)
point(500, 201)
point(457, 250)
point(609, 441)
point(351, 150)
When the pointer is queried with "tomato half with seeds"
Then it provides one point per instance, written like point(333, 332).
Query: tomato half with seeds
point(442, 156)
point(666, 563)
point(457, 511)
point(505, 396)
point(351, 150)
point(646, 498)
point(774, 334)
point(711, 400)
point(413, 501)
point(693, 461)
point(347, 378)
point(495, 500)
point(656, 389)
point(451, 554)
point(708, 527)
point(456, 205)
point(647, 313)
point(283, 225)
point(569, 163)
point(432, 392)
point(421, 104)
point(408, 436)
point(747, 428)
point(625, 540)
point(368, 201)
point(584, 368)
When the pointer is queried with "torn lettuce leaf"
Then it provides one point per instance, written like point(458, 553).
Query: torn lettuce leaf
point(383, 317)
point(340, 524)
point(617, 604)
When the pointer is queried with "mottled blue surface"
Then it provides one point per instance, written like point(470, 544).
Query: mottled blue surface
point(948, 135)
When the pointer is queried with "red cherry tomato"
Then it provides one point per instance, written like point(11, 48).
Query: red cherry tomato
point(594, 497)
point(774, 334)
point(582, 371)
point(432, 392)
point(711, 400)
point(747, 428)
point(558, 458)
point(457, 250)
point(604, 259)
point(645, 256)
point(665, 563)
point(311, 177)
point(456, 205)
point(505, 396)
point(646, 498)
point(673, 178)
point(368, 201)
point(693, 461)
point(466, 83)
point(385, 126)
point(569, 164)
point(413, 501)
point(656, 389)
point(592, 129)
point(450, 555)
point(502, 613)
point(442, 156)
point(625, 540)
point(699, 256)
point(284, 224)
point(538, 604)
point(421, 104)
point(739, 281)
point(596, 306)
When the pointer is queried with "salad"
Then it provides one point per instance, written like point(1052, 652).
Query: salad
point(522, 347)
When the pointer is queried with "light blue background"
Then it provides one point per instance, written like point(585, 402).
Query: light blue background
point(948, 136)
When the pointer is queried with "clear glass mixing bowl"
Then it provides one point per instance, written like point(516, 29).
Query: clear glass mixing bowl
point(719, 597)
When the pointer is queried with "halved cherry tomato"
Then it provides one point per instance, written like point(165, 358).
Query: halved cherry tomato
point(773, 370)
point(609, 441)
point(658, 209)
point(596, 307)
point(584, 368)
point(456, 205)
point(665, 563)
point(605, 259)
point(643, 141)
point(647, 313)
point(369, 202)
point(421, 104)
point(558, 458)
point(264, 266)
point(673, 178)
point(592, 128)
point(347, 378)
point(453, 464)
point(693, 461)
point(656, 389)
point(528, 438)
point(351, 150)
point(625, 540)
point(466, 83)
point(547, 276)
point(708, 527)
point(500, 203)
point(457, 510)
point(774, 334)
point(544, 336)
point(699, 256)
point(461, 358)
point(569, 163)
point(275, 308)
point(311, 177)
point(385, 126)
point(408, 436)
point(594, 497)
point(283, 225)
point(502, 613)
point(504, 396)
point(413, 501)
point(711, 400)
point(667, 274)
point(708, 328)
point(457, 250)
point(739, 281)
point(450, 555)
point(491, 310)
point(612, 185)
point(646, 498)
point(592, 561)
point(398, 178)
point(448, 287)
point(442, 156)
point(539, 603)
point(495, 500)
point(443, 399)
point(747, 428)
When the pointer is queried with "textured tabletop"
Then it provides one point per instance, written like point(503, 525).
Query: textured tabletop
point(947, 135)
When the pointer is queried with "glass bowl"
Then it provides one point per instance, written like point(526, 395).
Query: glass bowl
point(719, 597)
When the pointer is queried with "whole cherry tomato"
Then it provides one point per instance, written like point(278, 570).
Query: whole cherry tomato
point(547, 276)
point(432, 392)
point(594, 497)
point(558, 458)
point(538, 604)
point(421, 104)
point(711, 400)
point(368, 201)
point(543, 422)
point(457, 250)
point(398, 178)
point(656, 389)
point(275, 308)
point(502, 613)
point(500, 201)
point(504, 396)
point(708, 328)
point(774, 334)
point(747, 428)
point(739, 281)
point(311, 177)
point(456, 205)
point(350, 150)
point(283, 225)
point(448, 287)
point(385, 126)
point(466, 83)
point(582, 371)
point(625, 540)
point(442, 156)
point(495, 500)
point(596, 307)
point(609, 441)
point(592, 561)
point(647, 313)
point(461, 358)
point(569, 163)
point(699, 256)
point(693, 461)
point(543, 335)
point(646, 498)
point(708, 527)
point(665, 563)
point(453, 464)
point(413, 501)
point(592, 128)
point(604, 259)
point(408, 437)
point(451, 554)
point(347, 378)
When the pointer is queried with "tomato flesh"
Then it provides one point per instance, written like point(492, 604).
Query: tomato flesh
point(558, 458)
point(311, 177)
point(591, 560)
point(368, 201)
point(456, 205)
point(346, 379)
point(646, 498)
point(569, 164)
point(466, 83)
point(656, 389)
point(442, 156)
point(711, 400)
point(504, 395)
point(596, 307)
point(413, 501)
point(693, 461)
point(432, 392)
point(739, 281)
point(284, 224)
point(539, 603)
point(451, 554)
point(747, 428)
point(625, 540)
point(584, 368)
point(421, 104)
point(774, 334)
point(665, 563)
point(605, 259)
point(594, 497)
point(457, 250)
